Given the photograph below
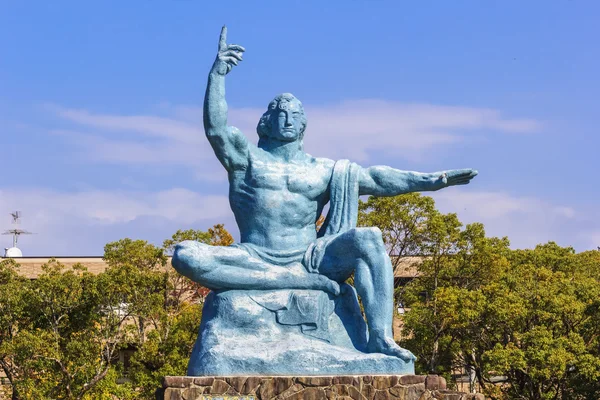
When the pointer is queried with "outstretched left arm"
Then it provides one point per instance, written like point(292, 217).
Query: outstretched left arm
point(387, 181)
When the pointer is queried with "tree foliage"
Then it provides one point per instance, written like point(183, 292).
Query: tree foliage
point(548, 345)
point(401, 219)
point(63, 340)
point(404, 222)
point(66, 334)
point(527, 318)
point(216, 236)
point(13, 315)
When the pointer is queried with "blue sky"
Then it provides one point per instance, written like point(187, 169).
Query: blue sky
point(100, 108)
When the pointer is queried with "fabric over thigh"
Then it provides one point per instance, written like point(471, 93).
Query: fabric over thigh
point(333, 256)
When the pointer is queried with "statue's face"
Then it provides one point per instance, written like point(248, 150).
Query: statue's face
point(286, 120)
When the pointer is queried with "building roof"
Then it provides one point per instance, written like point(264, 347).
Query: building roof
point(406, 267)
point(31, 267)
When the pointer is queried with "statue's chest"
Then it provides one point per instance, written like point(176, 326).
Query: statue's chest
point(306, 179)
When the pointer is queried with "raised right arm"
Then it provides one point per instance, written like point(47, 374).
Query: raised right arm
point(229, 144)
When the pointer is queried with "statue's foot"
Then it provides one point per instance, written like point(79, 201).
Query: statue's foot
point(386, 345)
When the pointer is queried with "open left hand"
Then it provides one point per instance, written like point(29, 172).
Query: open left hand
point(453, 177)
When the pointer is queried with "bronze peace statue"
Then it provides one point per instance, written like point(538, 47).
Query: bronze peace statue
point(279, 304)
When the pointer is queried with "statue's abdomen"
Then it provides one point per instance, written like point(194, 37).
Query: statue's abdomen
point(274, 218)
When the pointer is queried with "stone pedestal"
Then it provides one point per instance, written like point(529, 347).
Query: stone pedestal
point(357, 387)
point(286, 333)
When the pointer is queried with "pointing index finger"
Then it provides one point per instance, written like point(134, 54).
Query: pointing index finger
point(223, 39)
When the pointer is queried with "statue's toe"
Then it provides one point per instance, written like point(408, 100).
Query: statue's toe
point(407, 355)
point(389, 347)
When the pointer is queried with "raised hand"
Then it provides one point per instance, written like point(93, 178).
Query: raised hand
point(228, 55)
point(453, 177)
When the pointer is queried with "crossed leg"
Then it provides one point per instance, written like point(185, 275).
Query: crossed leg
point(359, 250)
point(217, 267)
point(362, 251)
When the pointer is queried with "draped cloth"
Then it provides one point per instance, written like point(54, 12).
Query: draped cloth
point(300, 307)
point(343, 203)
point(342, 215)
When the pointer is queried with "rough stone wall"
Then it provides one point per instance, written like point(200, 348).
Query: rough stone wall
point(379, 387)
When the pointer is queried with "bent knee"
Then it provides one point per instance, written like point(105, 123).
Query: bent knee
point(368, 239)
point(370, 234)
point(191, 257)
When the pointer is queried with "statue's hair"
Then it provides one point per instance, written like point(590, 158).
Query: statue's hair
point(264, 125)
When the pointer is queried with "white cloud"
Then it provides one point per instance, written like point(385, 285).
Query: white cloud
point(141, 152)
point(567, 212)
point(527, 221)
point(80, 223)
point(593, 239)
point(353, 129)
point(350, 129)
point(139, 140)
point(153, 126)
point(404, 129)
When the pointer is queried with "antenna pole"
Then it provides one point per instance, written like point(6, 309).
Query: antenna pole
point(16, 215)
point(16, 231)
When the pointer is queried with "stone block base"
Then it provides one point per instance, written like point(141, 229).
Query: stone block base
point(357, 387)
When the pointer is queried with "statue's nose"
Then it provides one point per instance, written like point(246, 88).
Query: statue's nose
point(288, 119)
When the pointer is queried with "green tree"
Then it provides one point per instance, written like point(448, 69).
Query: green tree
point(189, 234)
point(172, 325)
point(61, 334)
point(530, 316)
point(547, 345)
point(138, 253)
point(141, 268)
point(219, 236)
point(166, 350)
point(403, 221)
point(151, 306)
point(12, 317)
point(216, 236)
point(68, 340)
point(445, 299)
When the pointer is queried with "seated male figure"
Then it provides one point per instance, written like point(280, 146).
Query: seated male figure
point(277, 192)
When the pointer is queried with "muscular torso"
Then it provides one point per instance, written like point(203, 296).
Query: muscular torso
point(276, 202)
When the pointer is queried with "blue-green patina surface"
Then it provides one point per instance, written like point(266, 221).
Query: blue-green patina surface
point(278, 304)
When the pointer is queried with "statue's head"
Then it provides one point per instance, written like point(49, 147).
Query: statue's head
point(284, 120)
